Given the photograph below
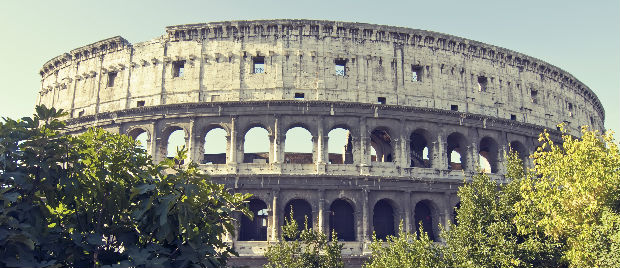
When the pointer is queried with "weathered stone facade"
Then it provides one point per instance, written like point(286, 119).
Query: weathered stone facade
point(413, 96)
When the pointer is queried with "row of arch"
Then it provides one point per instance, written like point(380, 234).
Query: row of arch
point(342, 219)
point(300, 147)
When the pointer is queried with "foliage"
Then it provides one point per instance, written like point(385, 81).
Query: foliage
point(573, 196)
point(305, 248)
point(98, 200)
point(405, 250)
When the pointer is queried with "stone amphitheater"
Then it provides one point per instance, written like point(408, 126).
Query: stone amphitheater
point(417, 112)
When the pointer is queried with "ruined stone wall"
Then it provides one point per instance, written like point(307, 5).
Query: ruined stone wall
point(471, 98)
point(300, 58)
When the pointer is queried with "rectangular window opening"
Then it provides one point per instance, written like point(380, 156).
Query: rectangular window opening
point(140, 103)
point(454, 107)
point(416, 73)
point(570, 109)
point(178, 68)
point(299, 96)
point(534, 94)
point(258, 65)
point(381, 100)
point(111, 78)
point(513, 117)
point(341, 66)
point(482, 83)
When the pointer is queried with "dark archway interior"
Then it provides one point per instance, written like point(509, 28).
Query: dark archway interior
point(423, 215)
point(520, 149)
point(419, 157)
point(301, 210)
point(383, 219)
point(342, 220)
point(489, 150)
point(457, 143)
point(254, 229)
point(381, 141)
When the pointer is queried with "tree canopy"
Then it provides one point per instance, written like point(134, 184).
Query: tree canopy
point(98, 200)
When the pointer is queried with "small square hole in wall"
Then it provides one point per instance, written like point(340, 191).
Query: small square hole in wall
point(111, 78)
point(299, 96)
point(454, 107)
point(258, 65)
point(178, 68)
point(416, 73)
point(381, 100)
point(513, 117)
point(341, 66)
point(140, 103)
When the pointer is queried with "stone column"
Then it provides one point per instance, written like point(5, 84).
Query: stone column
point(320, 148)
point(275, 225)
point(277, 143)
point(156, 143)
point(321, 221)
point(364, 155)
point(193, 143)
point(232, 142)
point(440, 153)
point(407, 208)
point(365, 217)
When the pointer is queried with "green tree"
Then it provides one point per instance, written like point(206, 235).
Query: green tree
point(305, 248)
point(573, 197)
point(406, 250)
point(98, 200)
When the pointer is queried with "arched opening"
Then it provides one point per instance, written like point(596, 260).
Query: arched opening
point(256, 146)
point(175, 141)
point(457, 152)
point(383, 219)
point(520, 149)
point(141, 136)
point(301, 210)
point(419, 149)
point(298, 146)
point(381, 142)
point(215, 146)
point(342, 220)
point(424, 216)
point(340, 146)
point(254, 229)
point(142, 140)
point(488, 155)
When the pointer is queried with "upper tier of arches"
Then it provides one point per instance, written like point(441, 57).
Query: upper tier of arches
point(309, 61)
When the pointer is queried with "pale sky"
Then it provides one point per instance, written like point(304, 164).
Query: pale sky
point(581, 37)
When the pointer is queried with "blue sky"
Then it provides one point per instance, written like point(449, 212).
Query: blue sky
point(580, 37)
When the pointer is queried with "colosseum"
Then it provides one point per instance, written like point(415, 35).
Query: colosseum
point(414, 112)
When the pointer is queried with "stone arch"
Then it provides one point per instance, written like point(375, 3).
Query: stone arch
point(301, 210)
point(254, 229)
point(340, 145)
point(420, 148)
point(141, 135)
point(215, 144)
point(426, 212)
point(382, 143)
point(384, 218)
point(342, 220)
point(256, 144)
point(488, 150)
point(520, 149)
point(457, 151)
point(172, 138)
point(298, 145)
